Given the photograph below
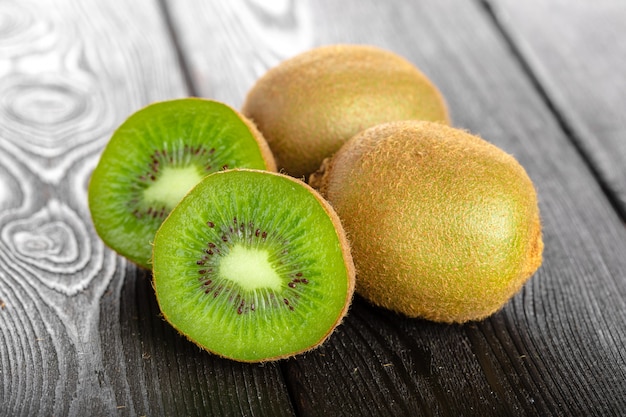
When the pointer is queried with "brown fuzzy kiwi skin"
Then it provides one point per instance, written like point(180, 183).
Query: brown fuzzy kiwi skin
point(346, 254)
point(311, 104)
point(443, 225)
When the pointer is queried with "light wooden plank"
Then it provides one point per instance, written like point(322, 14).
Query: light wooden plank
point(556, 349)
point(229, 44)
point(576, 50)
point(80, 332)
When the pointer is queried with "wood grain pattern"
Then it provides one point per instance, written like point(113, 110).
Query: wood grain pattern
point(80, 333)
point(230, 44)
point(80, 330)
point(556, 349)
point(578, 59)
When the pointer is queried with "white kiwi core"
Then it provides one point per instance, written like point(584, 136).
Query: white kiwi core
point(172, 185)
point(250, 268)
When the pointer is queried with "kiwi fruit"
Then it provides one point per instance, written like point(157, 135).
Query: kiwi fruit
point(253, 266)
point(155, 157)
point(443, 225)
point(309, 105)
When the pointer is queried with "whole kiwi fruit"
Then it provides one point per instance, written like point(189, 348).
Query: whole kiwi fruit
point(155, 156)
point(253, 266)
point(309, 105)
point(443, 225)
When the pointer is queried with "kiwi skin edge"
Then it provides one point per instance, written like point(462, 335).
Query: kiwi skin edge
point(443, 225)
point(346, 255)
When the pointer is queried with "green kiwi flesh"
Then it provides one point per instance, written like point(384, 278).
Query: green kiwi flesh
point(155, 157)
point(443, 225)
point(253, 266)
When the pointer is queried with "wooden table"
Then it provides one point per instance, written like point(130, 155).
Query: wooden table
point(80, 331)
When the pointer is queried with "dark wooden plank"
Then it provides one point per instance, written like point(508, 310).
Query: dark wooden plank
point(557, 348)
point(576, 51)
point(80, 332)
point(170, 375)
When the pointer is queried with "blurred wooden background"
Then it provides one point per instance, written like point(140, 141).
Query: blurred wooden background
point(80, 332)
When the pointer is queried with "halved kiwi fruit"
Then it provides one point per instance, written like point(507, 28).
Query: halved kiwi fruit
point(155, 157)
point(253, 266)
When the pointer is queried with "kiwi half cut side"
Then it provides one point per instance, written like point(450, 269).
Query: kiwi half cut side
point(253, 266)
point(155, 157)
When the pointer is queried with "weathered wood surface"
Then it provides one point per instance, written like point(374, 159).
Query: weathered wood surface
point(80, 332)
point(576, 50)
